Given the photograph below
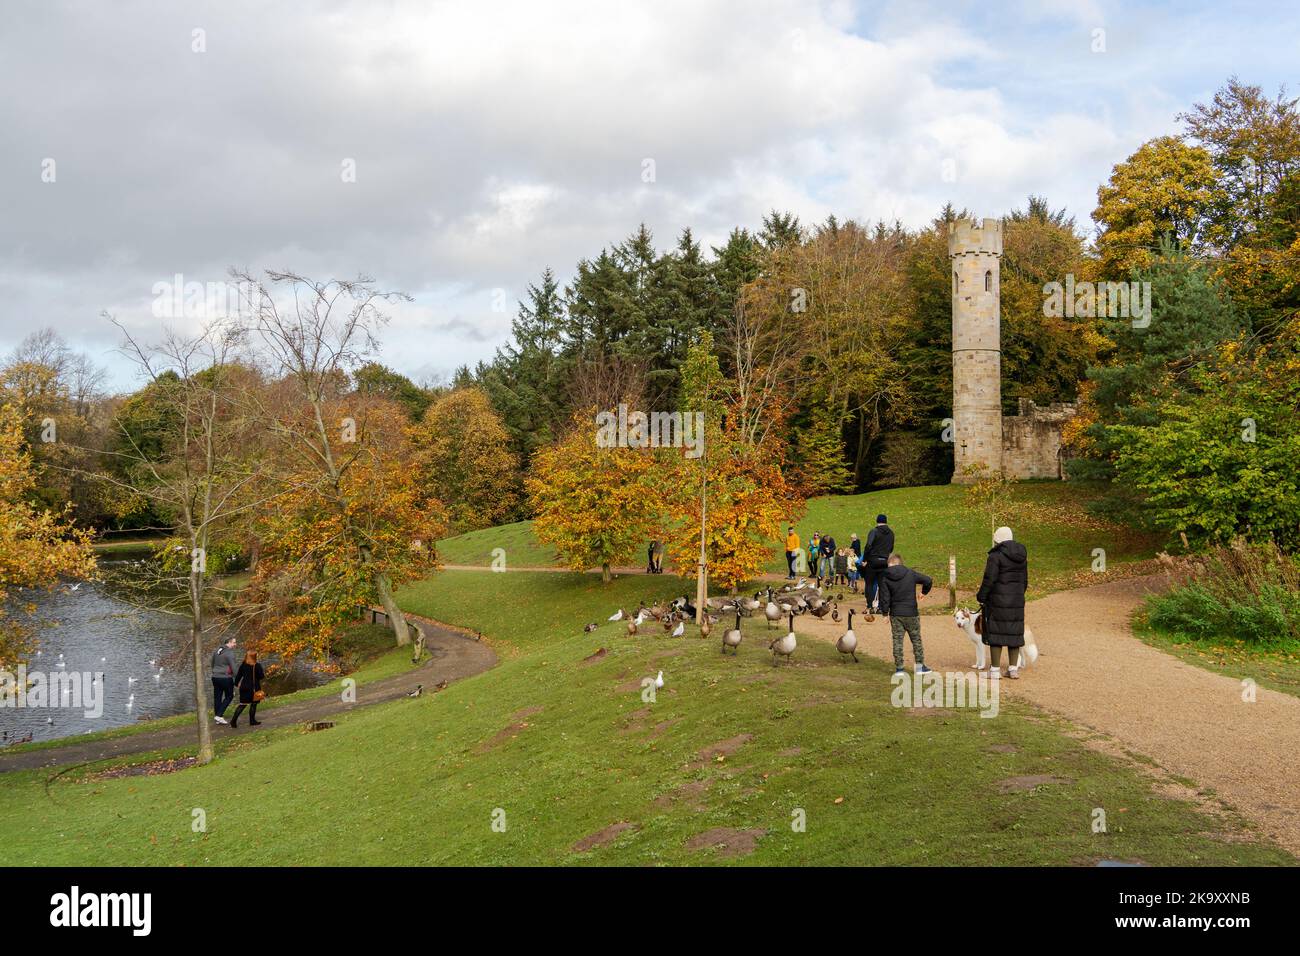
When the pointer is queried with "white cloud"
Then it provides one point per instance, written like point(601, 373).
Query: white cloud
point(493, 140)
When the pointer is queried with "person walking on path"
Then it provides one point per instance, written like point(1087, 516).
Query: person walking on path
point(791, 550)
point(249, 681)
point(223, 679)
point(826, 557)
point(1002, 601)
point(880, 545)
point(898, 601)
point(658, 551)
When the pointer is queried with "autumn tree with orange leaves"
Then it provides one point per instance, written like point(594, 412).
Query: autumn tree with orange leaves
point(464, 455)
point(310, 577)
point(738, 484)
point(595, 506)
point(313, 335)
point(37, 548)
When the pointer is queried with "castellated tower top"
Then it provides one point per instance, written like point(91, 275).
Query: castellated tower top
point(969, 237)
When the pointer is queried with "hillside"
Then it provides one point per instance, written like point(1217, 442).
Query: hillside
point(557, 742)
point(930, 522)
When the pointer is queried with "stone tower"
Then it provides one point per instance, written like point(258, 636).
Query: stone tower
point(975, 251)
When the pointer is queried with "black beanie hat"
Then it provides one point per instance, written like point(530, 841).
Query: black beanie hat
point(880, 519)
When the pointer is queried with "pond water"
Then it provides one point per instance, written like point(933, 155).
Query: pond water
point(108, 663)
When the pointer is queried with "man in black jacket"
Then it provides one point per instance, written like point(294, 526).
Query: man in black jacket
point(899, 601)
point(826, 557)
point(880, 545)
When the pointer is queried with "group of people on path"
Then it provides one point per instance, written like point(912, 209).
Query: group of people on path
point(891, 588)
point(837, 565)
point(228, 678)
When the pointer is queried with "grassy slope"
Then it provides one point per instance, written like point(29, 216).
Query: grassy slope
point(566, 748)
point(929, 522)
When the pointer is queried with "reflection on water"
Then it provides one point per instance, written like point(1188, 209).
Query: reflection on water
point(137, 657)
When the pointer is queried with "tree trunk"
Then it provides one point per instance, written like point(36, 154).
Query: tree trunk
point(395, 616)
point(604, 572)
point(200, 685)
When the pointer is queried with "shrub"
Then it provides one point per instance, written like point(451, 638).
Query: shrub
point(1247, 592)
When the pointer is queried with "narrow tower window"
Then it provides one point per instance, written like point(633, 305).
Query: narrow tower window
point(988, 281)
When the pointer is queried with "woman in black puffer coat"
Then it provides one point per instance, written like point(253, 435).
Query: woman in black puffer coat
point(1002, 601)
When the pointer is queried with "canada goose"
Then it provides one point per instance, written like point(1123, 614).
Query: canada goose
point(772, 611)
point(680, 629)
point(617, 615)
point(731, 637)
point(783, 646)
point(419, 689)
point(750, 605)
point(588, 628)
point(848, 641)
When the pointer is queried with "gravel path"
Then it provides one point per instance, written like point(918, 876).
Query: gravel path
point(1193, 723)
point(452, 655)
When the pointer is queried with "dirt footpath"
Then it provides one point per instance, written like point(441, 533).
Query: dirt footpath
point(1193, 723)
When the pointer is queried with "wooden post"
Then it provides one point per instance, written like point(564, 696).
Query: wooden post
point(952, 582)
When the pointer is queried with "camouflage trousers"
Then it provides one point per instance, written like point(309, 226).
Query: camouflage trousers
point(912, 625)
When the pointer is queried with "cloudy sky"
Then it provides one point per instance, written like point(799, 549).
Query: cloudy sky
point(455, 150)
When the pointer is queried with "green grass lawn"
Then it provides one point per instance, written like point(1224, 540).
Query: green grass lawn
point(1277, 668)
point(558, 744)
point(930, 524)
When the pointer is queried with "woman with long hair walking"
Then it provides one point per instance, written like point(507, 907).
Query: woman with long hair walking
point(248, 685)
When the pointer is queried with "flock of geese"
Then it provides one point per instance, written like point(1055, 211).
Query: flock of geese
point(804, 597)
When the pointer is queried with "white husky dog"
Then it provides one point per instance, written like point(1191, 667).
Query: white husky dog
point(971, 623)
